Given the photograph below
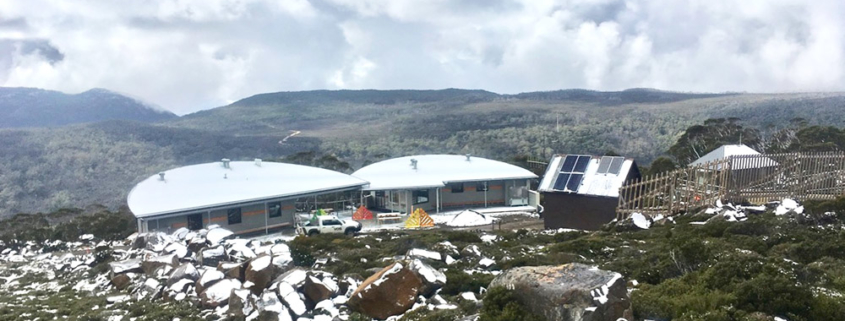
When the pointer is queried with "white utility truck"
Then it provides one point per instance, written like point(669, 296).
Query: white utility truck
point(326, 224)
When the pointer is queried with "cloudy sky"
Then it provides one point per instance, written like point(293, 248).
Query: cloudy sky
point(187, 55)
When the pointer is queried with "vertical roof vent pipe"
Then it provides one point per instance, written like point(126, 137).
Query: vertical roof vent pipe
point(258, 162)
point(225, 162)
point(468, 157)
point(413, 163)
point(161, 176)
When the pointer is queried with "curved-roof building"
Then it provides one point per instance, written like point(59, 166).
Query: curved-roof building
point(251, 188)
point(436, 171)
point(432, 182)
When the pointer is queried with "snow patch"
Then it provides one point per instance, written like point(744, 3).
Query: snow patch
point(640, 221)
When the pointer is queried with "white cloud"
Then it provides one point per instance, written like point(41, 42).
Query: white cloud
point(188, 55)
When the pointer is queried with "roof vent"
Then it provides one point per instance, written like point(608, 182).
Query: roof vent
point(468, 156)
point(224, 176)
point(161, 176)
point(258, 162)
point(414, 163)
point(225, 162)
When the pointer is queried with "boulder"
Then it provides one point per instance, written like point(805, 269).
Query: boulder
point(180, 286)
point(208, 278)
point(121, 281)
point(212, 256)
point(232, 270)
point(150, 265)
point(315, 291)
point(238, 250)
point(432, 279)
point(471, 251)
point(291, 298)
point(349, 283)
point(196, 244)
point(127, 266)
point(219, 293)
point(391, 291)
point(295, 277)
point(271, 309)
point(569, 292)
point(180, 233)
point(184, 271)
point(240, 304)
point(180, 250)
point(217, 235)
point(260, 272)
point(151, 289)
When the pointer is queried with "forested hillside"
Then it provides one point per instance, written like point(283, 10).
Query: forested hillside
point(44, 169)
point(32, 107)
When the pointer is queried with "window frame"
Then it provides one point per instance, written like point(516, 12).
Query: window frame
point(482, 187)
point(271, 213)
point(415, 196)
point(234, 212)
point(456, 190)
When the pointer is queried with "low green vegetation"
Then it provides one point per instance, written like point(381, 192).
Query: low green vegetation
point(68, 225)
point(786, 266)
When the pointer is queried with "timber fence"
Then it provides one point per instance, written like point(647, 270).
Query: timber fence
point(752, 179)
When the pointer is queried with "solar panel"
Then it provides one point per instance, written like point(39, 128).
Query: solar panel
point(581, 164)
point(616, 165)
point(574, 182)
point(560, 183)
point(604, 164)
point(568, 163)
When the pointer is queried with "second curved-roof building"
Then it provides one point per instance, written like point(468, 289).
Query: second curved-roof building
point(442, 182)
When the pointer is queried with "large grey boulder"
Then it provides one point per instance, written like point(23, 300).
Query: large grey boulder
point(208, 278)
point(151, 264)
point(432, 278)
point(570, 292)
point(185, 271)
point(260, 273)
point(211, 256)
point(218, 294)
point(391, 291)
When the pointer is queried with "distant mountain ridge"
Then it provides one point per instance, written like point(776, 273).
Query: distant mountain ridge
point(33, 107)
point(388, 97)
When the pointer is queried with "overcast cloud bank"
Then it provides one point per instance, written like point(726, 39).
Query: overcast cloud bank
point(188, 55)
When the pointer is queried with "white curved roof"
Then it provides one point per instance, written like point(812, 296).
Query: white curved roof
point(436, 171)
point(203, 186)
point(727, 151)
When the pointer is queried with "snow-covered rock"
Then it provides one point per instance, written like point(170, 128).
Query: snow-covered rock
point(291, 298)
point(789, 205)
point(218, 294)
point(217, 235)
point(208, 278)
point(185, 271)
point(260, 272)
point(641, 220)
point(432, 279)
point(424, 254)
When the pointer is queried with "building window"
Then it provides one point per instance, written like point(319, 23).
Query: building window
point(195, 221)
point(234, 215)
point(457, 187)
point(420, 196)
point(275, 209)
point(481, 187)
point(379, 193)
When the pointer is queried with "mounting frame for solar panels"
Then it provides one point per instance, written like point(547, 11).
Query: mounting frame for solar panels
point(571, 173)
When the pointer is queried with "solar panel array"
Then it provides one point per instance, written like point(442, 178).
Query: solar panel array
point(572, 172)
point(610, 165)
